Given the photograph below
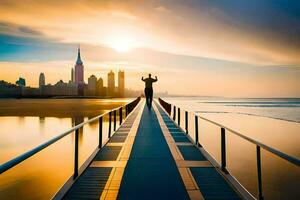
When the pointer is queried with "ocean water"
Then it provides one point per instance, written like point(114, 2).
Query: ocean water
point(274, 122)
point(26, 123)
point(287, 109)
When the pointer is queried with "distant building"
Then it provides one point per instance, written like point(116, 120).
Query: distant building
point(133, 93)
point(92, 85)
point(105, 91)
point(72, 75)
point(79, 74)
point(111, 83)
point(100, 89)
point(121, 83)
point(60, 89)
point(79, 69)
point(21, 82)
point(41, 80)
point(30, 92)
point(9, 89)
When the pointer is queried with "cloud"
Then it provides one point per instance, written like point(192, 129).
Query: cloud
point(18, 30)
point(163, 9)
point(123, 14)
point(217, 29)
point(20, 43)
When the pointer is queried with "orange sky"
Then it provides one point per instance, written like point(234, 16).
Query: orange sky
point(195, 48)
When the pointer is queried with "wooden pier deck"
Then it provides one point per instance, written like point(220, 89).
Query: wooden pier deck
point(149, 157)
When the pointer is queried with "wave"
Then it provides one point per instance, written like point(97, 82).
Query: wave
point(267, 104)
point(250, 114)
point(251, 102)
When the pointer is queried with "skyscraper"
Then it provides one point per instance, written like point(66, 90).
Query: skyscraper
point(79, 69)
point(72, 75)
point(41, 80)
point(121, 83)
point(79, 74)
point(92, 84)
point(111, 83)
point(100, 89)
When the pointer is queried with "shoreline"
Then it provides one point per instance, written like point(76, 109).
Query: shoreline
point(58, 107)
point(63, 97)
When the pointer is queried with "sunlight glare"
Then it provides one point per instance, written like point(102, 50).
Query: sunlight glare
point(122, 43)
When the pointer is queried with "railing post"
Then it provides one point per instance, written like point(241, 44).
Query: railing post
point(223, 151)
point(196, 131)
point(174, 113)
point(100, 131)
point(121, 115)
point(258, 159)
point(186, 122)
point(76, 154)
point(115, 120)
point(178, 119)
point(109, 125)
point(126, 110)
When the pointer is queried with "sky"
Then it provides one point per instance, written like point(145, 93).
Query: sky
point(225, 48)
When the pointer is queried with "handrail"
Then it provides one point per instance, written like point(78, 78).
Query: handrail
point(286, 157)
point(259, 145)
point(13, 162)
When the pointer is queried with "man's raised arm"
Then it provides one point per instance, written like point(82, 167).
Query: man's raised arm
point(155, 79)
point(143, 78)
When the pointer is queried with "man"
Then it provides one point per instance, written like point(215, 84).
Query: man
point(148, 89)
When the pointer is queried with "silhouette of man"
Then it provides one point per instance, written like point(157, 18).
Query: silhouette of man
point(148, 89)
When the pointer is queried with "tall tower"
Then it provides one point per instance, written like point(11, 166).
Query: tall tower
point(79, 74)
point(111, 83)
point(121, 83)
point(72, 75)
point(41, 80)
point(79, 69)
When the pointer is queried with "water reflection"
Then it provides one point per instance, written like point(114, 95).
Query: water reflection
point(49, 169)
point(41, 124)
point(21, 121)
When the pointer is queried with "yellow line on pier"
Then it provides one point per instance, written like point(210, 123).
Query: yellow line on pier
point(113, 183)
point(185, 173)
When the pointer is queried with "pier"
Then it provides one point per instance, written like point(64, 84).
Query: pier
point(148, 155)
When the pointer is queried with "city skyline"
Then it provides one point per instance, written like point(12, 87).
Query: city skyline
point(79, 79)
point(75, 86)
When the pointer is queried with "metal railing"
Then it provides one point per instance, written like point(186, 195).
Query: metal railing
point(128, 108)
point(223, 129)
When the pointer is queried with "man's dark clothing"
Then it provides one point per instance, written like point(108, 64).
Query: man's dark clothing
point(149, 96)
point(149, 90)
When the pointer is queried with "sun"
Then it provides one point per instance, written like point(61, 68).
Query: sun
point(122, 43)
